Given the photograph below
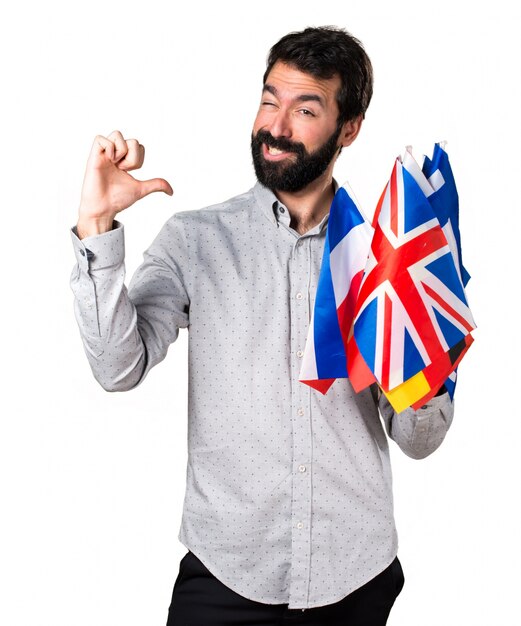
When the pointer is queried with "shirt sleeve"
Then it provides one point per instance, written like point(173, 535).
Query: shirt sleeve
point(125, 333)
point(418, 433)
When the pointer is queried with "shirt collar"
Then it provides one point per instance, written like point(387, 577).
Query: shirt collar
point(277, 212)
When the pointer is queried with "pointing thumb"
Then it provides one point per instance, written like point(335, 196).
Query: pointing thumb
point(154, 184)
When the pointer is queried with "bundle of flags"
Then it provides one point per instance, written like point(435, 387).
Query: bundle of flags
point(390, 306)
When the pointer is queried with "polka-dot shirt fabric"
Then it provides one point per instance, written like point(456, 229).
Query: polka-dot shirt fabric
point(288, 491)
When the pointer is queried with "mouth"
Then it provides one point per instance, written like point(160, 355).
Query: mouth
point(271, 153)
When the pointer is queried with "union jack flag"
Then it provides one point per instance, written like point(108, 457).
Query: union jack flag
point(390, 306)
point(411, 308)
point(437, 183)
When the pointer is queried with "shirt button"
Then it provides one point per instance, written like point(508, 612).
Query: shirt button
point(300, 354)
point(299, 296)
point(82, 252)
point(300, 411)
point(301, 468)
point(300, 525)
point(282, 209)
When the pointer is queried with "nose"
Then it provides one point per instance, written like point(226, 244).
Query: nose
point(280, 125)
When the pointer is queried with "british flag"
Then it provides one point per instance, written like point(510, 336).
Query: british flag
point(411, 309)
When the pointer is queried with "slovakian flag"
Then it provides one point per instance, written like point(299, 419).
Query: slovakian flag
point(444, 200)
point(411, 323)
point(345, 254)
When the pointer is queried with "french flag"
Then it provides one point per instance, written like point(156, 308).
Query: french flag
point(346, 249)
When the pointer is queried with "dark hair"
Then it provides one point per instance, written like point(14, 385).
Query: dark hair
point(324, 52)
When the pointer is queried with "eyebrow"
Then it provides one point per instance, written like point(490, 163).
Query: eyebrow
point(305, 97)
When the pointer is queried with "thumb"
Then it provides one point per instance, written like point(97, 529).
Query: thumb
point(154, 184)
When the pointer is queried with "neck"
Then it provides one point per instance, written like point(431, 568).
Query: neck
point(309, 206)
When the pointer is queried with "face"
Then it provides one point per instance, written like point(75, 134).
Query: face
point(296, 135)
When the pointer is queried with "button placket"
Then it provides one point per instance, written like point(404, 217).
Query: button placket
point(87, 300)
point(301, 420)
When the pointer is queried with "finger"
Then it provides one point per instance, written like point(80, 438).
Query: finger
point(135, 156)
point(154, 184)
point(102, 145)
point(120, 144)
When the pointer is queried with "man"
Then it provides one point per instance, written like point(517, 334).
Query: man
point(288, 513)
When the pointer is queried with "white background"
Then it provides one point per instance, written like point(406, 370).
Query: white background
point(91, 483)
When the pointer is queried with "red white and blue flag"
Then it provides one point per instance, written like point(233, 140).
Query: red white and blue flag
point(411, 308)
point(345, 254)
point(444, 200)
point(406, 324)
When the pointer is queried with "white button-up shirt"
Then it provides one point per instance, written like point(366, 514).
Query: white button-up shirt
point(288, 492)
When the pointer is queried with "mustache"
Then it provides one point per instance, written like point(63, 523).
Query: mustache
point(281, 143)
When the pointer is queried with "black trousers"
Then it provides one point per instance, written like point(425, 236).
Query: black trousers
point(199, 599)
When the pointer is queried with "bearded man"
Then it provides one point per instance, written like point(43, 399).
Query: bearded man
point(288, 512)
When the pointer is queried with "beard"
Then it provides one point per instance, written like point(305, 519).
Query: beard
point(295, 175)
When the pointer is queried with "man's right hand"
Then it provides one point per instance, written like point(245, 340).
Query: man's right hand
point(108, 188)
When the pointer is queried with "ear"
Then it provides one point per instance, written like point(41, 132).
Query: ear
point(350, 131)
